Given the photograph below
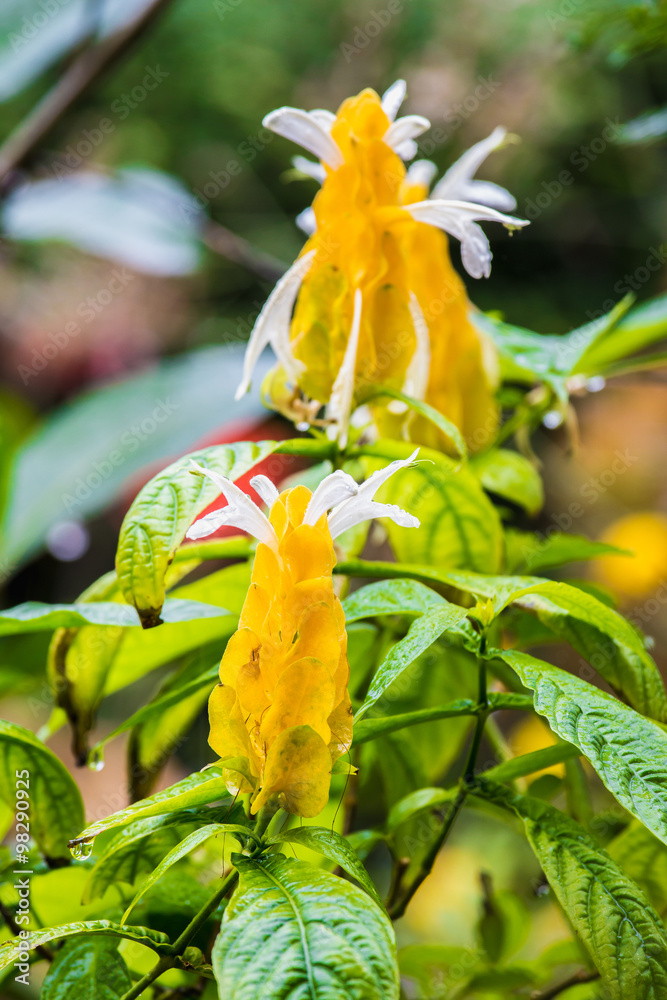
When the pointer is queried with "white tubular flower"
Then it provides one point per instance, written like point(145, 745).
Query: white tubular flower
point(392, 99)
point(308, 129)
point(241, 512)
point(310, 168)
point(348, 503)
point(459, 219)
point(416, 377)
point(273, 323)
point(458, 183)
point(339, 407)
point(362, 506)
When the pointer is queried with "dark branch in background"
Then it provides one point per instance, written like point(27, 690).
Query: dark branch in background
point(83, 72)
point(239, 251)
point(583, 976)
point(86, 69)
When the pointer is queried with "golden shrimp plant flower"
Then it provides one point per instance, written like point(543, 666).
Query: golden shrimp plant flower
point(281, 716)
point(373, 299)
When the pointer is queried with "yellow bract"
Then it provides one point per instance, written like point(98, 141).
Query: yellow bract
point(281, 715)
point(366, 241)
point(645, 536)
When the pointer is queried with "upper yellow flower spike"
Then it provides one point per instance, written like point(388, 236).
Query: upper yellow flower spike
point(281, 715)
point(376, 300)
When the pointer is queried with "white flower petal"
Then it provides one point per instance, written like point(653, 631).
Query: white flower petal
point(421, 172)
point(307, 131)
point(340, 402)
point(310, 168)
point(267, 490)
point(459, 219)
point(323, 117)
point(416, 376)
point(392, 99)
point(330, 492)
point(489, 194)
point(363, 507)
point(273, 323)
point(467, 165)
point(458, 182)
point(408, 127)
point(306, 221)
point(208, 524)
point(240, 511)
point(407, 150)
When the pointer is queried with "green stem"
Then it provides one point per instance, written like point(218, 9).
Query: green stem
point(168, 961)
point(467, 781)
point(165, 963)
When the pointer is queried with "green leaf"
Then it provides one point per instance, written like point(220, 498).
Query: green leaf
point(34, 616)
point(9, 951)
point(529, 763)
point(512, 477)
point(616, 923)
point(166, 699)
point(185, 847)
point(292, 927)
point(370, 729)
point(430, 966)
point(140, 846)
point(447, 427)
point(528, 552)
point(85, 968)
point(159, 734)
point(416, 802)
point(156, 523)
point(125, 860)
point(642, 326)
point(390, 597)
point(119, 430)
point(603, 637)
point(200, 788)
point(421, 634)
point(628, 751)
point(332, 846)
point(142, 650)
point(643, 858)
point(56, 809)
point(459, 526)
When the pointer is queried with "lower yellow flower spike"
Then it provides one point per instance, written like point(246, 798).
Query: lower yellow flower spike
point(281, 715)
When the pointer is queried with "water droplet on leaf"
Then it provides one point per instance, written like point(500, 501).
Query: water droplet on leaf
point(82, 849)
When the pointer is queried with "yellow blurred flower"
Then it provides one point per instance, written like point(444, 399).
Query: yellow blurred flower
point(375, 297)
point(532, 733)
point(645, 535)
point(281, 715)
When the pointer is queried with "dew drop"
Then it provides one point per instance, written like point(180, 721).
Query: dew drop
point(96, 761)
point(82, 849)
point(552, 419)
